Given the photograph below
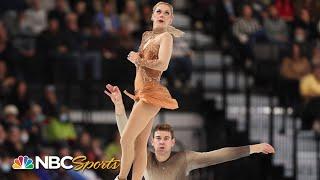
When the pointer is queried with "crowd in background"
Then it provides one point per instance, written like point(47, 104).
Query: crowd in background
point(292, 29)
point(47, 41)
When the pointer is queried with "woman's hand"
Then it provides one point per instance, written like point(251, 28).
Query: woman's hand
point(114, 93)
point(133, 57)
point(264, 148)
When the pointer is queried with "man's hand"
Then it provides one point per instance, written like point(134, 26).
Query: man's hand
point(243, 38)
point(114, 93)
point(62, 49)
point(261, 148)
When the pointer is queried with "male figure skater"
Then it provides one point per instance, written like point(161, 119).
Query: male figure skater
point(163, 163)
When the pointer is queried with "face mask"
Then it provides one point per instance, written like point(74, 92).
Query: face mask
point(64, 117)
point(24, 138)
point(5, 167)
point(40, 118)
point(300, 38)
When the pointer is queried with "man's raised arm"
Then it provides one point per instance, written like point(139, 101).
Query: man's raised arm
point(197, 160)
point(115, 95)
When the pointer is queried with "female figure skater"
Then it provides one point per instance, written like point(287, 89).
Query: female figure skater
point(150, 96)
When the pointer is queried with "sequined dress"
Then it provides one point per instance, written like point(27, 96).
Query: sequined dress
point(147, 81)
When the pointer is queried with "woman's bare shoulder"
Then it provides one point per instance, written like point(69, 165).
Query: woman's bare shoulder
point(166, 36)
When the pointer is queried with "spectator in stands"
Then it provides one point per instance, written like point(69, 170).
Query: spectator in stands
point(60, 49)
point(259, 9)
point(130, 18)
point(246, 30)
point(305, 22)
point(71, 48)
point(246, 25)
point(296, 66)
point(318, 28)
point(15, 141)
point(316, 54)
point(226, 14)
point(113, 149)
point(32, 123)
point(74, 43)
point(285, 9)
point(7, 51)
point(293, 69)
point(21, 98)
point(85, 145)
point(100, 43)
point(77, 152)
point(11, 113)
point(301, 38)
point(5, 166)
point(61, 129)
point(85, 17)
point(59, 12)
point(276, 29)
point(63, 149)
point(310, 90)
point(96, 147)
point(23, 40)
point(7, 82)
point(35, 17)
point(108, 20)
point(312, 6)
point(145, 22)
point(97, 6)
point(94, 44)
point(180, 67)
point(48, 46)
point(50, 103)
point(85, 141)
point(3, 137)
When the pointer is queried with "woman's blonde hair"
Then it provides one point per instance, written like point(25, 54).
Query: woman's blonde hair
point(164, 3)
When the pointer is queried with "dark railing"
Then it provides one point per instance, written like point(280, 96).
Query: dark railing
point(317, 138)
point(295, 148)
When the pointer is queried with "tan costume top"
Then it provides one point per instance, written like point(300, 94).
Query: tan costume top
point(148, 73)
point(179, 164)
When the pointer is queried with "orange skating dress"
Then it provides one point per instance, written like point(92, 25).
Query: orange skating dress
point(147, 81)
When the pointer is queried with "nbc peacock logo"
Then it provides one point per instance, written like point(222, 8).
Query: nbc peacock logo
point(23, 162)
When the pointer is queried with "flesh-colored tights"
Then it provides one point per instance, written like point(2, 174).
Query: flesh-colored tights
point(135, 138)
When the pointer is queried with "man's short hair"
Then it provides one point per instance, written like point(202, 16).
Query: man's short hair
point(164, 127)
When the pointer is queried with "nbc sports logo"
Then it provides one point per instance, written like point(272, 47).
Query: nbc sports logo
point(49, 162)
point(66, 162)
point(23, 162)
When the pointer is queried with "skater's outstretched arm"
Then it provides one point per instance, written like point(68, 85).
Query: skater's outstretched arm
point(197, 160)
point(115, 95)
